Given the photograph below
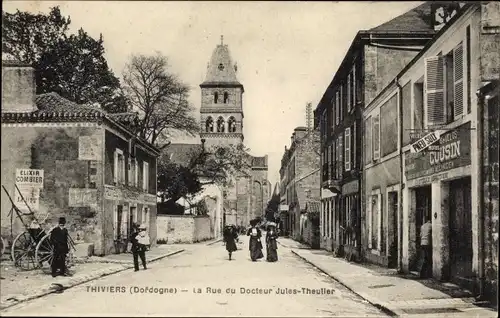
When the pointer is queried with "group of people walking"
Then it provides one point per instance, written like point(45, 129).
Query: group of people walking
point(230, 235)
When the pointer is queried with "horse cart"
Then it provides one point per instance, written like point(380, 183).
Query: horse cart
point(33, 248)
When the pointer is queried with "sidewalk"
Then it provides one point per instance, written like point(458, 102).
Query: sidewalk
point(400, 295)
point(19, 286)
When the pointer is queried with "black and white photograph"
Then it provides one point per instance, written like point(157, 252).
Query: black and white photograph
point(249, 158)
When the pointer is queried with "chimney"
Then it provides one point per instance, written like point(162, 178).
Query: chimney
point(18, 88)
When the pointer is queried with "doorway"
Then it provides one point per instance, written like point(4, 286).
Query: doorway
point(393, 215)
point(461, 232)
point(132, 218)
point(423, 206)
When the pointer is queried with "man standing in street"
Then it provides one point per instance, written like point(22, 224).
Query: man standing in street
point(59, 240)
point(426, 248)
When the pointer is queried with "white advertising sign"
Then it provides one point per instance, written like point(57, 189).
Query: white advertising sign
point(31, 197)
point(425, 142)
point(29, 177)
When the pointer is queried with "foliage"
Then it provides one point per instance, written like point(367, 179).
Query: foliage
point(160, 97)
point(219, 165)
point(26, 36)
point(201, 208)
point(272, 207)
point(73, 65)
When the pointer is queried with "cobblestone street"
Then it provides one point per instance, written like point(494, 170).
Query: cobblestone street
point(195, 271)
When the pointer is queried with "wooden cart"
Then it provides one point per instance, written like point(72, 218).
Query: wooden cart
point(32, 248)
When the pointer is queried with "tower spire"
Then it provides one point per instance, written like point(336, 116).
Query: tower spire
point(221, 40)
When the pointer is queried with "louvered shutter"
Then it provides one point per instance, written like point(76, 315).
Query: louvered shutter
point(348, 93)
point(341, 154)
point(115, 222)
point(379, 221)
point(376, 137)
point(369, 220)
point(337, 107)
point(354, 97)
point(115, 170)
point(354, 146)
point(434, 91)
point(136, 170)
point(368, 140)
point(347, 157)
point(123, 225)
point(458, 80)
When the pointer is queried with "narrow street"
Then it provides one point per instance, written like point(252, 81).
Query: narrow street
point(195, 271)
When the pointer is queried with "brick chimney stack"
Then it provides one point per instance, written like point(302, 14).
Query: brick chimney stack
point(18, 88)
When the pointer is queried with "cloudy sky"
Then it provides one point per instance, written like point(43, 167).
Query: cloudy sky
point(287, 52)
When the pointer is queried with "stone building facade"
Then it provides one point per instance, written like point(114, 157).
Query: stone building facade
point(93, 171)
point(300, 177)
point(373, 59)
point(449, 92)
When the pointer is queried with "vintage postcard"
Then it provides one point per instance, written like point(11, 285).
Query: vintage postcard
point(250, 158)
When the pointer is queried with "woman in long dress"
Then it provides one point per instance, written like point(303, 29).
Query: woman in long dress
point(255, 245)
point(230, 237)
point(271, 244)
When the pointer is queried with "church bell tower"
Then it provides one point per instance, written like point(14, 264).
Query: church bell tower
point(221, 100)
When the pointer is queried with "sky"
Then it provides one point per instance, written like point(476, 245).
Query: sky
point(287, 52)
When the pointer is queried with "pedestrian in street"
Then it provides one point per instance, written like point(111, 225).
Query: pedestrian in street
point(230, 236)
point(426, 247)
point(271, 243)
point(255, 245)
point(59, 240)
point(140, 242)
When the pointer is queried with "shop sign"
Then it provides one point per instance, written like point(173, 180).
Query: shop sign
point(421, 143)
point(82, 197)
point(453, 152)
point(29, 178)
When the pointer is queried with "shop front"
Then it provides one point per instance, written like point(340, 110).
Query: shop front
point(439, 188)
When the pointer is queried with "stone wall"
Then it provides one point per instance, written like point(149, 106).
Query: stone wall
point(381, 66)
point(183, 228)
point(56, 151)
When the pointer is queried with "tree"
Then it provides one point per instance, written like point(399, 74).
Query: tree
point(26, 36)
point(73, 66)
point(272, 207)
point(159, 96)
point(218, 165)
point(76, 69)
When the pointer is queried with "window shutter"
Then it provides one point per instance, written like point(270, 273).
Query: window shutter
point(337, 159)
point(348, 93)
point(354, 85)
point(341, 155)
point(347, 156)
point(368, 140)
point(369, 220)
point(337, 107)
point(115, 221)
point(123, 227)
point(332, 113)
point(116, 168)
point(458, 80)
point(434, 91)
point(376, 137)
point(354, 146)
point(130, 172)
point(136, 177)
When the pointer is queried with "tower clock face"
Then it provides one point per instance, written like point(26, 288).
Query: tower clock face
point(221, 67)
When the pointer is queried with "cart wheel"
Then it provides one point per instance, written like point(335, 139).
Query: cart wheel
point(2, 246)
point(23, 252)
point(45, 253)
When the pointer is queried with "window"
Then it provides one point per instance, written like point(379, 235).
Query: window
point(354, 97)
point(332, 160)
point(337, 159)
point(444, 84)
point(209, 124)
point(145, 176)
point(347, 150)
point(376, 137)
point(467, 59)
point(375, 220)
point(418, 102)
point(226, 97)
point(354, 145)
point(221, 125)
point(337, 107)
point(368, 140)
point(389, 126)
point(216, 97)
point(119, 167)
point(342, 102)
point(145, 216)
point(231, 123)
point(349, 93)
point(132, 172)
point(119, 223)
point(332, 117)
